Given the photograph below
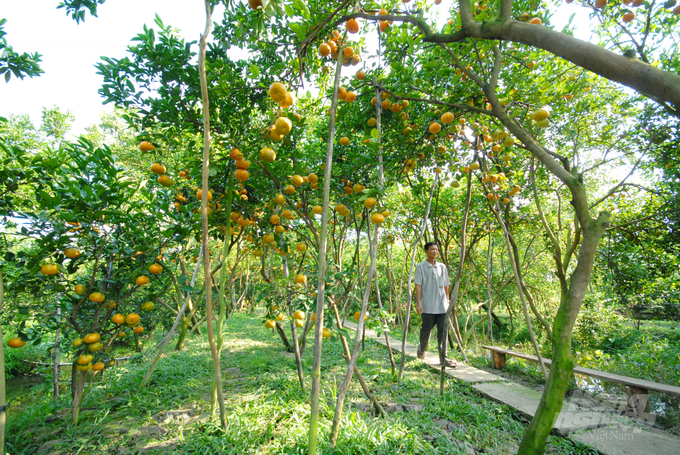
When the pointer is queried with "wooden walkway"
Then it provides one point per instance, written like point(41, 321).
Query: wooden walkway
point(585, 420)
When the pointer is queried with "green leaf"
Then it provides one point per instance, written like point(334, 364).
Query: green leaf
point(254, 71)
point(374, 133)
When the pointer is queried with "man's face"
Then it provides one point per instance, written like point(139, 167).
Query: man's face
point(432, 252)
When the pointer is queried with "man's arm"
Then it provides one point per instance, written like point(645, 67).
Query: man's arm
point(446, 291)
point(419, 306)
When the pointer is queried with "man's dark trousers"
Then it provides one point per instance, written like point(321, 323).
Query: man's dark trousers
point(429, 321)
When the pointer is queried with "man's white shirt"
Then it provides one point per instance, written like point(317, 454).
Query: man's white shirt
point(432, 280)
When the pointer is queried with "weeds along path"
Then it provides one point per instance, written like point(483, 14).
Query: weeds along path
point(267, 413)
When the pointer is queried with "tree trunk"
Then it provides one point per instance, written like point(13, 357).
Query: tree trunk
point(218, 393)
point(321, 267)
point(453, 297)
point(3, 397)
point(78, 396)
point(407, 318)
point(55, 357)
point(534, 439)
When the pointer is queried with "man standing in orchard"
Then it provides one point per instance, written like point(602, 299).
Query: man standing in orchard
point(432, 300)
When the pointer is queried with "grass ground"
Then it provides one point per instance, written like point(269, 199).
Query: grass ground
point(268, 413)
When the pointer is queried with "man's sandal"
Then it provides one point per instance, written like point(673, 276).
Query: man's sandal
point(420, 355)
point(451, 363)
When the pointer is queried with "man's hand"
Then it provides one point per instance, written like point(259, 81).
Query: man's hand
point(419, 308)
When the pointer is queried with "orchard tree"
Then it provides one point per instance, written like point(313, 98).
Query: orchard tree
point(492, 86)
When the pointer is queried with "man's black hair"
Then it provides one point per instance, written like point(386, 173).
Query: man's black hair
point(429, 244)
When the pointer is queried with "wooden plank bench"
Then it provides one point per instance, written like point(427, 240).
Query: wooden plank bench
point(636, 389)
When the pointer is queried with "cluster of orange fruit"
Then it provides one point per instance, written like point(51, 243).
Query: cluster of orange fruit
point(280, 129)
point(53, 269)
point(241, 174)
point(281, 96)
point(330, 47)
point(160, 170)
point(388, 105)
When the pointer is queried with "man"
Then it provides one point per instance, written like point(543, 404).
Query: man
point(432, 300)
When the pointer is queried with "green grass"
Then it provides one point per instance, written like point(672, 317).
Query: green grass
point(268, 413)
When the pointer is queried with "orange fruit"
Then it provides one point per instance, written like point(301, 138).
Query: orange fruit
point(299, 315)
point(49, 269)
point(235, 154)
point(165, 181)
point(84, 368)
point(344, 140)
point(283, 125)
point(352, 26)
point(384, 25)
point(155, 269)
point(96, 346)
point(301, 247)
point(372, 121)
point(118, 318)
point(241, 175)
point(80, 289)
point(535, 21)
point(377, 218)
point(324, 50)
point(358, 188)
point(435, 127)
point(600, 3)
point(277, 92)
point(357, 315)
point(446, 118)
point(96, 297)
point(540, 114)
point(628, 17)
point(98, 366)
point(360, 75)
point(317, 210)
point(268, 238)
point(269, 324)
point(16, 342)
point(91, 338)
point(348, 52)
point(370, 202)
point(297, 180)
point(350, 96)
point(132, 319)
point(254, 4)
point(84, 359)
point(72, 253)
point(267, 155)
point(142, 280)
point(386, 104)
point(146, 146)
point(241, 164)
point(327, 333)
point(289, 189)
point(138, 329)
point(158, 169)
point(300, 279)
point(289, 101)
point(148, 306)
point(274, 219)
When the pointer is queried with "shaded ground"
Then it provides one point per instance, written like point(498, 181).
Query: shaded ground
point(268, 412)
